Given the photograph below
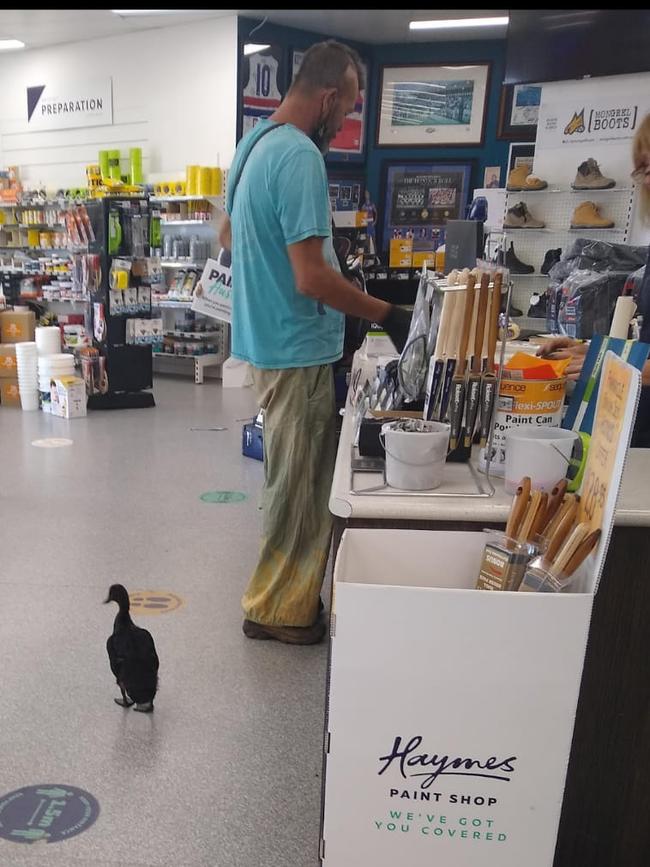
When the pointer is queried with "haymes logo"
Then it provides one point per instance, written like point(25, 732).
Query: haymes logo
point(407, 758)
point(576, 124)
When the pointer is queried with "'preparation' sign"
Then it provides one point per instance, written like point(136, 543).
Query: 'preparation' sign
point(87, 103)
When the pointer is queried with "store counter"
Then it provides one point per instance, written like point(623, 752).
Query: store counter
point(607, 794)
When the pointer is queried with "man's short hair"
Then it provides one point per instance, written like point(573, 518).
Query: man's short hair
point(325, 64)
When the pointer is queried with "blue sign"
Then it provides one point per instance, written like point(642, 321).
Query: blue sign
point(51, 812)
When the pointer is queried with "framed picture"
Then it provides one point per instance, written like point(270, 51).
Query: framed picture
point(519, 111)
point(418, 198)
point(521, 153)
point(262, 86)
point(349, 144)
point(346, 192)
point(492, 177)
point(429, 106)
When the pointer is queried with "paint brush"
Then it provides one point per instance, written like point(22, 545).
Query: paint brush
point(436, 365)
point(474, 384)
point(457, 400)
point(451, 354)
point(489, 380)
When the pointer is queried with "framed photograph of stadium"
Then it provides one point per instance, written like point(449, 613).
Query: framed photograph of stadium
point(429, 106)
point(419, 197)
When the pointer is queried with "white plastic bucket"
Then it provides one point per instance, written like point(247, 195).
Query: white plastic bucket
point(415, 459)
point(541, 453)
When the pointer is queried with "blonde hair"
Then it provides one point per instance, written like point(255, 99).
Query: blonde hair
point(640, 154)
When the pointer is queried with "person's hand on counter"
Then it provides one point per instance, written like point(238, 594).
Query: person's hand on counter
point(566, 347)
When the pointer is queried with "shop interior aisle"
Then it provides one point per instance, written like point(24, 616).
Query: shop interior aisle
point(227, 771)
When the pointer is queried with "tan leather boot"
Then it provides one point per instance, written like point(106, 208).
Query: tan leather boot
point(587, 216)
point(519, 180)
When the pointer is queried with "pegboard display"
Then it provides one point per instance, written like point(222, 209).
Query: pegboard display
point(555, 206)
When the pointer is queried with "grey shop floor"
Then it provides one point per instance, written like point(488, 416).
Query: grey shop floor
point(227, 771)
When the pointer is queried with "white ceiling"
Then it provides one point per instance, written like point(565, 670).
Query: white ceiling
point(40, 27)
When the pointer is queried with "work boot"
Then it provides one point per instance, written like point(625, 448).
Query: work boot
point(587, 216)
point(550, 259)
point(520, 179)
point(589, 177)
point(519, 217)
point(515, 265)
point(537, 306)
point(286, 634)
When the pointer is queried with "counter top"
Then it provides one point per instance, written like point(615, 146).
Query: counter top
point(633, 506)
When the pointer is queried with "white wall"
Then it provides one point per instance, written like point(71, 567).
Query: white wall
point(174, 95)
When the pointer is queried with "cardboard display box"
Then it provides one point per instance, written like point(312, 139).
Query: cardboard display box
point(68, 397)
point(9, 394)
point(451, 710)
point(17, 326)
point(8, 365)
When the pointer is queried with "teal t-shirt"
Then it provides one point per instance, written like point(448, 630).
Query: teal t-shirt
point(281, 198)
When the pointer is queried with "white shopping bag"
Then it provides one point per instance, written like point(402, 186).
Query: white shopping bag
point(213, 294)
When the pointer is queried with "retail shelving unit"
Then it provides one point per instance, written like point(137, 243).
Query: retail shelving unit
point(129, 366)
point(184, 348)
point(555, 206)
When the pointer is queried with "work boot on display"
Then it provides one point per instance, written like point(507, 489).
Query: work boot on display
point(537, 306)
point(515, 265)
point(519, 217)
point(550, 259)
point(589, 177)
point(587, 216)
point(520, 179)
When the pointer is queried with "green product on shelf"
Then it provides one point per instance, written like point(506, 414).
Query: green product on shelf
point(114, 233)
point(114, 164)
point(155, 233)
point(135, 158)
point(104, 163)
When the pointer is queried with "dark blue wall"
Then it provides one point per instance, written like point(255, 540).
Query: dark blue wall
point(492, 153)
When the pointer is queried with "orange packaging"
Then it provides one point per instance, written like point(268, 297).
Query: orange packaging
point(8, 366)
point(16, 326)
point(9, 393)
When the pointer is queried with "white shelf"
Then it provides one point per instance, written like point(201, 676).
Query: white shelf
point(187, 222)
point(195, 198)
point(528, 276)
point(179, 305)
point(570, 190)
point(194, 335)
point(178, 263)
point(200, 362)
point(510, 230)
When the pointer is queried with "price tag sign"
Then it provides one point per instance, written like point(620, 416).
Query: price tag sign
point(614, 393)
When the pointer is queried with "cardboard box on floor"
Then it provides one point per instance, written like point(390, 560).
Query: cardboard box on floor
point(9, 393)
point(8, 365)
point(451, 710)
point(17, 326)
point(68, 397)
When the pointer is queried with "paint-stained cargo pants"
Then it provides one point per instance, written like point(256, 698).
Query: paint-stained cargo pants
point(299, 456)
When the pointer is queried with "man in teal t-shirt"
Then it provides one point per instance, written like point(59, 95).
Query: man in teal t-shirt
point(289, 301)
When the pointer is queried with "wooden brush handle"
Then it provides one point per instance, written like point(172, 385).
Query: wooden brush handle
point(561, 532)
point(554, 502)
point(569, 549)
point(484, 294)
point(446, 315)
point(467, 322)
point(493, 325)
point(518, 508)
point(582, 552)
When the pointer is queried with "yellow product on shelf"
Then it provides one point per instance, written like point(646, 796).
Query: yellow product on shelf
point(191, 180)
point(217, 181)
point(178, 188)
point(205, 181)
